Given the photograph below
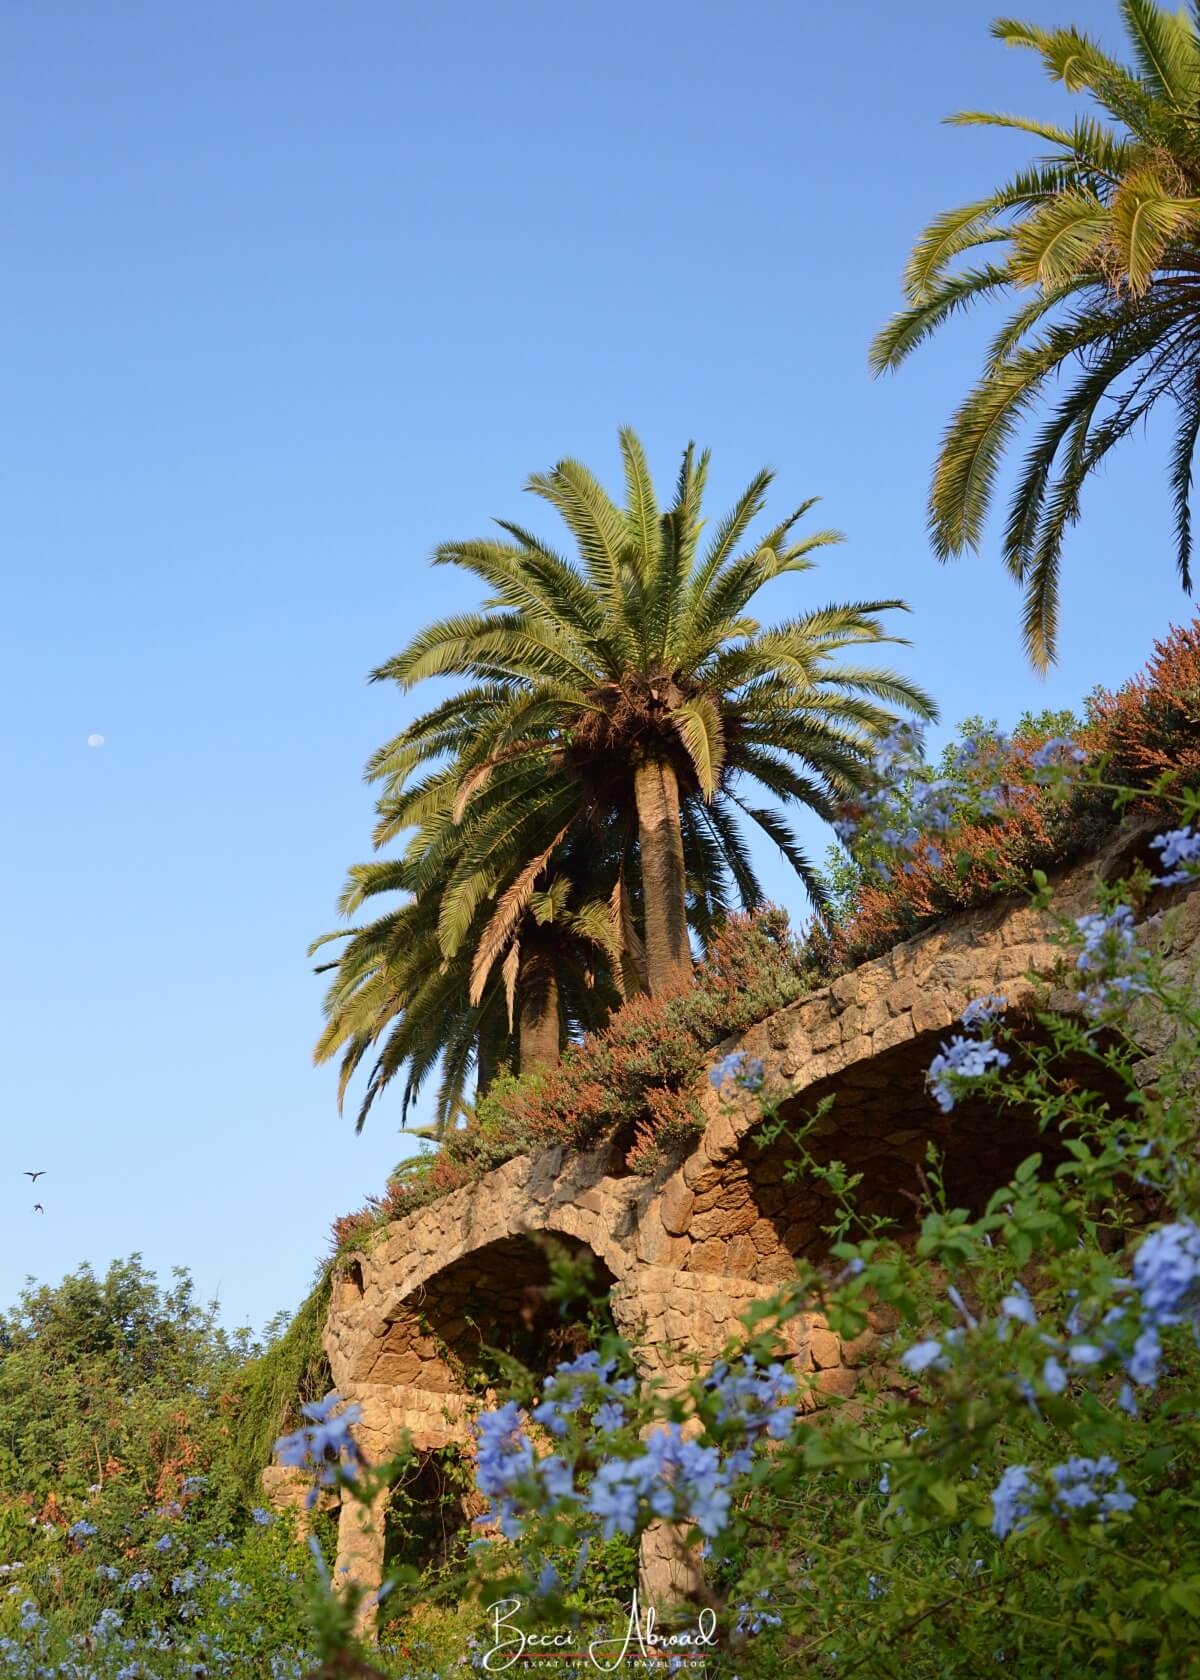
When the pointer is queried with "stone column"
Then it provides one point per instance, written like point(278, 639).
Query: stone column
point(360, 1552)
point(670, 1573)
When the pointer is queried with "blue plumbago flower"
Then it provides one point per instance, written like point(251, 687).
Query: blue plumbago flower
point(139, 1580)
point(548, 1581)
point(1053, 1375)
point(551, 1415)
point(1092, 1485)
point(983, 1009)
point(586, 1363)
point(902, 747)
point(676, 1478)
point(107, 1625)
point(193, 1484)
point(565, 1394)
point(751, 1076)
point(613, 1497)
point(330, 1435)
point(752, 1399)
point(1019, 1306)
point(671, 1477)
point(82, 1529)
point(1085, 1353)
point(1142, 1364)
point(923, 1355)
point(1178, 846)
point(1011, 1501)
point(1104, 936)
point(954, 1295)
point(1166, 1273)
point(324, 1444)
point(608, 1417)
point(752, 1617)
point(107, 1572)
point(1111, 960)
point(1056, 754)
point(163, 1543)
point(263, 1518)
point(725, 1069)
point(1108, 995)
point(503, 1458)
point(556, 1476)
point(962, 1059)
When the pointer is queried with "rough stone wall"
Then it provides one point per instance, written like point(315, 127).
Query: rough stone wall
point(689, 1251)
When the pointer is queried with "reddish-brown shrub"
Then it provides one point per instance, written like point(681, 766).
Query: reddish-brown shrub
point(634, 1081)
point(1152, 723)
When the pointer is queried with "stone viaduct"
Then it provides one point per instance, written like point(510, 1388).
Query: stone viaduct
point(686, 1252)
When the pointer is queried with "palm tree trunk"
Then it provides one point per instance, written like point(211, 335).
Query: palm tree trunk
point(537, 1023)
point(660, 841)
point(486, 1061)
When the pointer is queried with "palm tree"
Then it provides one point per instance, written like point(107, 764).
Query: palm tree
point(629, 694)
point(545, 942)
point(1098, 245)
point(393, 992)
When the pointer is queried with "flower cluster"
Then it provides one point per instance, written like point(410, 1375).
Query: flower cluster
point(1091, 1487)
point(1166, 1277)
point(1056, 758)
point(964, 1060)
point(896, 756)
point(325, 1445)
point(1179, 846)
point(565, 1394)
point(671, 1477)
point(1110, 960)
point(1012, 1501)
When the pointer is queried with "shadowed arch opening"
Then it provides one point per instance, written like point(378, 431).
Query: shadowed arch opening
point(879, 1120)
point(538, 1297)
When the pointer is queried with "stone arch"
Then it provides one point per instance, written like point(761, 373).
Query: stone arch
point(493, 1295)
point(878, 1117)
point(755, 1213)
point(406, 1328)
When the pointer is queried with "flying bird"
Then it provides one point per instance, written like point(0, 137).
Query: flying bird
point(35, 1176)
point(38, 1208)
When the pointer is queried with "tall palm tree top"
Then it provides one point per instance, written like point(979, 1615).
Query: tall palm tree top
point(1098, 243)
point(639, 649)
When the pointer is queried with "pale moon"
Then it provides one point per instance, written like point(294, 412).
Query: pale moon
point(95, 740)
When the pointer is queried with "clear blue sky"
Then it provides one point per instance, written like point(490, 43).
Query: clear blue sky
point(289, 294)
